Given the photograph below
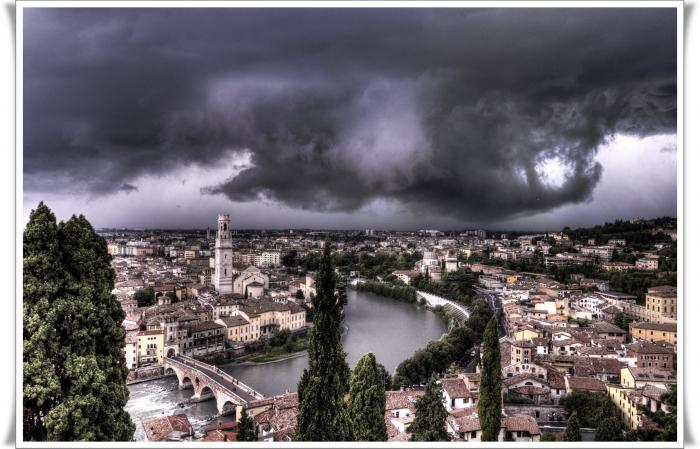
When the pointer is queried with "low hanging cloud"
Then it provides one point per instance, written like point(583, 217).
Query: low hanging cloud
point(128, 188)
point(476, 114)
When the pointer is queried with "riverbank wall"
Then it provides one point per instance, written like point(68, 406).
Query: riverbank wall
point(146, 374)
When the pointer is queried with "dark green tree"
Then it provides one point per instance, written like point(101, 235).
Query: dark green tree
point(429, 423)
point(366, 401)
point(591, 407)
point(573, 428)
point(322, 410)
point(548, 436)
point(489, 405)
point(669, 421)
point(609, 429)
point(246, 428)
point(290, 259)
point(299, 294)
point(145, 297)
point(43, 282)
point(73, 363)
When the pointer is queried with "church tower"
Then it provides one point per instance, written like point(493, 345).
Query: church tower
point(223, 258)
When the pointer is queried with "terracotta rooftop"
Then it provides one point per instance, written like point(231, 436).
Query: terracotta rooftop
point(667, 327)
point(235, 320)
point(653, 375)
point(531, 390)
point(202, 326)
point(396, 400)
point(219, 435)
point(521, 423)
point(160, 428)
point(455, 387)
point(647, 347)
point(585, 383)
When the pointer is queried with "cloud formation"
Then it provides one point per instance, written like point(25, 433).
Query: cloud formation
point(476, 114)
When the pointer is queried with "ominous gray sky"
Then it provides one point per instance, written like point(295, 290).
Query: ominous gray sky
point(351, 118)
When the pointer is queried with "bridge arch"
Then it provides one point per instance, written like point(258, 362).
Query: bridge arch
point(206, 392)
point(185, 382)
point(226, 407)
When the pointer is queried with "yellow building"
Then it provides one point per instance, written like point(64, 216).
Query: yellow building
point(625, 401)
point(268, 316)
point(526, 334)
point(512, 279)
point(654, 332)
point(662, 300)
point(239, 329)
point(640, 377)
point(149, 346)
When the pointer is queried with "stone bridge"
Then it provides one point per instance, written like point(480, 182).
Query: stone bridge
point(209, 382)
point(454, 308)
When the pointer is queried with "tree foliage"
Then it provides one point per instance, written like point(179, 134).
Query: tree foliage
point(429, 423)
point(573, 428)
point(322, 410)
point(74, 370)
point(403, 293)
point(591, 407)
point(145, 296)
point(437, 356)
point(489, 405)
point(548, 436)
point(609, 429)
point(366, 400)
point(246, 428)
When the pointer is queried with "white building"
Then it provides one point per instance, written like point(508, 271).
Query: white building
point(251, 282)
point(647, 264)
point(451, 264)
point(429, 262)
point(267, 259)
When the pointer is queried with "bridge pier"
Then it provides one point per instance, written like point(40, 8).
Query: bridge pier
point(199, 397)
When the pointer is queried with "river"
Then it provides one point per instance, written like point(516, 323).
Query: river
point(390, 329)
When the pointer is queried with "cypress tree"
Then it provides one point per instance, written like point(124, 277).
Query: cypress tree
point(489, 405)
point(429, 423)
point(573, 428)
point(322, 410)
point(74, 367)
point(246, 428)
point(367, 402)
point(43, 282)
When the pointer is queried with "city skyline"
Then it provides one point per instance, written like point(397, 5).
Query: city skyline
point(162, 118)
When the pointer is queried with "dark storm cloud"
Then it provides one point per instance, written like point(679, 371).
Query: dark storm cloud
point(128, 188)
point(455, 112)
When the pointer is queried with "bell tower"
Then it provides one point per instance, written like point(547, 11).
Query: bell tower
point(223, 258)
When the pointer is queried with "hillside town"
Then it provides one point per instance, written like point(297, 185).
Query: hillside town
point(572, 319)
